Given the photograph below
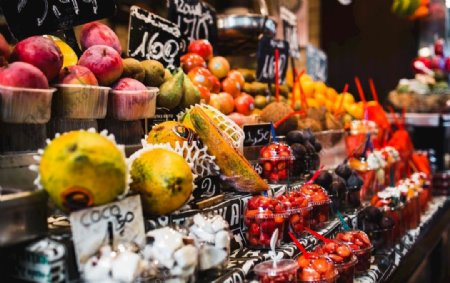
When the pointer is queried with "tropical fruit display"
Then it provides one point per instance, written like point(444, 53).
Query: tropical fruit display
point(80, 169)
point(162, 177)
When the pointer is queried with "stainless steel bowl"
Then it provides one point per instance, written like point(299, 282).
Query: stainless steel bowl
point(238, 33)
point(24, 216)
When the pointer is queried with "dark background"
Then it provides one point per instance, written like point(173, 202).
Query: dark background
point(367, 40)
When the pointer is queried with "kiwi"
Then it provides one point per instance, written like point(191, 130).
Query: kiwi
point(132, 68)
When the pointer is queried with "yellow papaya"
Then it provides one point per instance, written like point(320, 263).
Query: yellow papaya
point(232, 164)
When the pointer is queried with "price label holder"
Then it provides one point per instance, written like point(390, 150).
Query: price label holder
point(316, 63)
point(110, 224)
point(31, 17)
point(196, 20)
point(161, 115)
point(207, 187)
point(265, 71)
point(290, 31)
point(153, 37)
point(257, 135)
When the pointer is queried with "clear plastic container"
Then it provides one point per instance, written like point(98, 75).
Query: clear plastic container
point(262, 217)
point(361, 246)
point(25, 105)
point(316, 269)
point(128, 105)
point(298, 211)
point(343, 258)
point(359, 130)
point(277, 161)
point(285, 270)
point(367, 174)
point(320, 202)
point(382, 239)
point(73, 101)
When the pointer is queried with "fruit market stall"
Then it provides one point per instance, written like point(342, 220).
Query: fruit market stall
point(162, 161)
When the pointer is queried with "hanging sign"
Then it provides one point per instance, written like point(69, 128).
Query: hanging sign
point(316, 63)
point(196, 20)
point(153, 37)
point(265, 71)
point(31, 17)
point(290, 31)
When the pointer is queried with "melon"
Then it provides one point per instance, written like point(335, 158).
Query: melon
point(80, 169)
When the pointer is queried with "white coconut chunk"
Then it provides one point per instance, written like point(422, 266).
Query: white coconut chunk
point(211, 257)
point(186, 256)
point(125, 266)
point(222, 240)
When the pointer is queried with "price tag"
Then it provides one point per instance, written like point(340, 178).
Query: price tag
point(117, 222)
point(316, 63)
point(256, 166)
point(265, 71)
point(290, 31)
point(196, 20)
point(31, 17)
point(153, 37)
point(162, 115)
point(207, 187)
point(258, 134)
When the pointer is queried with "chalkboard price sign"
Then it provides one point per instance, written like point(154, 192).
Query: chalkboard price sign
point(316, 63)
point(31, 17)
point(196, 20)
point(290, 31)
point(153, 37)
point(258, 134)
point(207, 187)
point(265, 71)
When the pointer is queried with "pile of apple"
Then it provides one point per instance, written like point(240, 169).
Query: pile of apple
point(219, 86)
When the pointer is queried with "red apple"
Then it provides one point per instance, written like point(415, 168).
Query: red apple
point(96, 33)
point(222, 101)
point(191, 60)
point(129, 84)
point(40, 52)
point(244, 103)
point(219, 66)
point(5, 50)
point(104, 62)
point(77, 75)
point(215, 84)
point(21, 74)
point(201, 47)
point(201, 77)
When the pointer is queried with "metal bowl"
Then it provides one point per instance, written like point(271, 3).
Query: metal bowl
point(237, 33)
point(24, 216)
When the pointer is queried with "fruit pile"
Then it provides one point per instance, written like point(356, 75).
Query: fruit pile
point(360, 244)
point(219, 86)
point(321, 204)
point(343, 258)
point(262, 217)
point(306, 149)
point(276, 160)
point(298, 209)
point(316, 268)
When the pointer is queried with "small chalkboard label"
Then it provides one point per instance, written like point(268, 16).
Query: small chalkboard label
point(290, 31)
point(153, 37)
point(258, 134)
point(162, 115)
point(196, 20)
point(207, 187)
point(110, 224)
point(32, 17)
point(265, 71)
point(257, 167)
point(316, 63)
